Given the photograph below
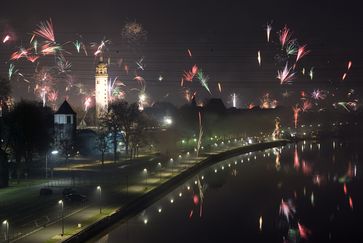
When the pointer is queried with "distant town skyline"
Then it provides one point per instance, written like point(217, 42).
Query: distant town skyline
point(223, 39)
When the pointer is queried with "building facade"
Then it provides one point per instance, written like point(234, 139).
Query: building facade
point(101, 88)
point(64, 124)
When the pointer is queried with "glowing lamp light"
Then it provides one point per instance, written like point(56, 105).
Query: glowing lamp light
point(167, 121)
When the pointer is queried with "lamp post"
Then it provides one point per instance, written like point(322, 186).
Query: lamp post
point(54, 152)
point(6, 224)
point(99, 189)
point(171, 161)
point(159, 165)
point(60, 202)
point(145, 171)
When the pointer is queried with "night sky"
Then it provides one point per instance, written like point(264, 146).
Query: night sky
point(224, 37)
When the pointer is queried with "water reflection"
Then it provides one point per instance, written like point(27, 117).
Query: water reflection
point(309, 192)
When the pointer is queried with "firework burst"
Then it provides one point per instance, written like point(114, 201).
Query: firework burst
point(284, 36)
point(285, 76)
point(203, 80)
point(301, 52)
point(45, 30)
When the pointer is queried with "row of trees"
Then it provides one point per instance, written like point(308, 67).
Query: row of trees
point(25, 130)
point(126, 119)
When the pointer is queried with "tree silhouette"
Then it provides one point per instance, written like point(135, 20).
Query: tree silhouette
point(110, 122)
point(30, 130)
point(102, 145)
point(5, 90)
point(120, 117)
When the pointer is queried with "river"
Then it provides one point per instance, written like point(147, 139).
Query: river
point(305, 192)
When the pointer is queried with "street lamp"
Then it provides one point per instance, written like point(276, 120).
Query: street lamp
point(145, 171)
point(168, 121)
point(54, 152)
point(159, 165)
point(6, 224)
point(171, 161)
point(60, 202)
point(99, 189)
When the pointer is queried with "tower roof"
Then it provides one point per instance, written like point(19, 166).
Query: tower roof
point(66, 108)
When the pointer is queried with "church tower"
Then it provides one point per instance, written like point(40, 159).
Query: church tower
point(101, 88)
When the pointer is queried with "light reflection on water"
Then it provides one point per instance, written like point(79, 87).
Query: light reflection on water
point(308, 192)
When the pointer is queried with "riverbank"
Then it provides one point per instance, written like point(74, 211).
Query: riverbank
point(135, 206)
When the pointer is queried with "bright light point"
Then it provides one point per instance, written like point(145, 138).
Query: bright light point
point(229, 165)
point(180, 194)
point(60, 202)
point(168, 121)
point(159, 164)
point(6, 38)
point(179, 156)
point(159, 210)
point(235, 162)
point(5, 222)
point(98, 187)
point(171, 200)
point(171, 160)
point(260, 223)
point(145, 221)
point(188, 153)
point(145, 170)
point(215, 171)
point(195, 182)
point(54, 152)
point(222, 167)
point(142, 97)
point(188, 188)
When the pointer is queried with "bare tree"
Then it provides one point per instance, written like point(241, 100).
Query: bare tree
point(110, 122)
point(102, 145)
point(138, 133)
